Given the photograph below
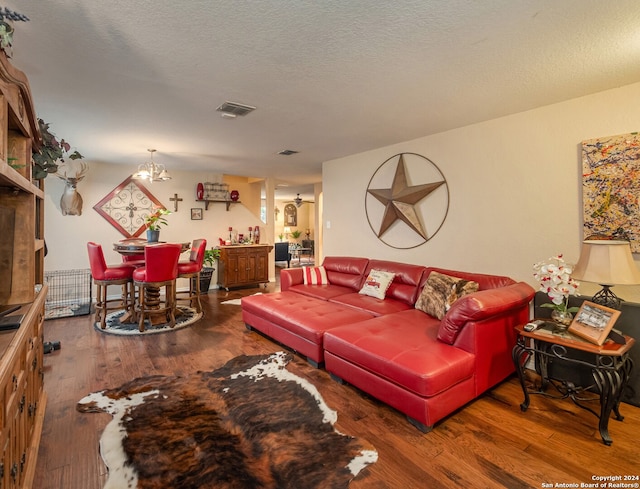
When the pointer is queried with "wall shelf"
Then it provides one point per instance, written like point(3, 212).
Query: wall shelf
point(221, 201)
point(22, 395)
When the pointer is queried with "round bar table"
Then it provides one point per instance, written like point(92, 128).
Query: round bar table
point(136, 246)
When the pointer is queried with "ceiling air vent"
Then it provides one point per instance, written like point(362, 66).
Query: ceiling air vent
point(287, 152)
point(234, 109)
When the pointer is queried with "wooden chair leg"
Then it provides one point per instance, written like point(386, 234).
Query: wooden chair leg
point(124, 296)
point(193, 294)
point(197, 292)
point(126, 301)
point(103, 303)
point(132, 300)
point(141, 297)
point(101, 313)
point(171, 302)
point(96, 317)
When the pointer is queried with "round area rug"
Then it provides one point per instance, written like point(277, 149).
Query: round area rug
point(186, 317)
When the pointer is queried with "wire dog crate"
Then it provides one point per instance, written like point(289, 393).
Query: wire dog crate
point(69, 293)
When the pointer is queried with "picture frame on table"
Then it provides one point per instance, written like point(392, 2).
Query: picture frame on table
point(593, 322)
point(196, 214)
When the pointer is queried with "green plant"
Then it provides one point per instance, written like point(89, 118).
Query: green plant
point(296, 234)
point(210, 256)
point(6, 30)
point(15, 166)
point(280, 236)
point(156, 220)
point(6, 36)
point(46, 158)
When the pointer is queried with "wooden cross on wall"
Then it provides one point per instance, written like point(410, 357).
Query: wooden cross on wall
point(175, 199)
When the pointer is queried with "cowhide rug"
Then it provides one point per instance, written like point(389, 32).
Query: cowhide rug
point(248, 424)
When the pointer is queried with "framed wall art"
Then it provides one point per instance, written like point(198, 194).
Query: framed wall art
point(127, 206)
point(610, 187)
point(196, 214)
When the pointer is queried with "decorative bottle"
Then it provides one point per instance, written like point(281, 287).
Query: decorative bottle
point(256, 235)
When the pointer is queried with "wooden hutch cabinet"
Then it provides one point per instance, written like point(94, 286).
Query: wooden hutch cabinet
point(243, 265)
point(22, 399)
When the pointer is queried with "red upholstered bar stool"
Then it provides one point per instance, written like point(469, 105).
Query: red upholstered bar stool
point(133, 260)
point(105, 275)
point(136, 260)
point(160, 270)
point(190, 269)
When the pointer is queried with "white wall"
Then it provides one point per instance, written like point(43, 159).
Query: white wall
point(67, 236)
point(514, 182)
point(515, 188)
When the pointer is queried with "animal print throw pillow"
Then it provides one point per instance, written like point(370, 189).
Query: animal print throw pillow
point(441, 291)
point(377, 283)
point(315, 276)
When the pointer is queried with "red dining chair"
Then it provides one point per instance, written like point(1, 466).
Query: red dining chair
point(105, 275)
point(133, 260)
point(136, 260)
point(190, 269)
point(160, 270)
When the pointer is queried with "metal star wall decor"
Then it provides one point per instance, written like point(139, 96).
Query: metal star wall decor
point(401, 199)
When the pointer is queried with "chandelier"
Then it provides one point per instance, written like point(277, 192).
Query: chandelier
point(154, 172)
point(298, 201)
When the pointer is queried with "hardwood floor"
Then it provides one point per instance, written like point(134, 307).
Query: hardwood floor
point(489, 443)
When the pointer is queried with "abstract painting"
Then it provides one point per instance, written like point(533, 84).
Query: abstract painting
point(611, 187)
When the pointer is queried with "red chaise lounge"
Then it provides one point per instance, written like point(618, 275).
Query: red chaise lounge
point(423, 366)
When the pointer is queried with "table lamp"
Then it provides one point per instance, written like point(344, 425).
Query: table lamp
point(606, 262)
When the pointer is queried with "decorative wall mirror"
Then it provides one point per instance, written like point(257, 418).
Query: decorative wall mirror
point(290, 215)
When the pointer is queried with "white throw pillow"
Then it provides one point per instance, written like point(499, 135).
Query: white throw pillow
point(377, 283)
point(315, 276)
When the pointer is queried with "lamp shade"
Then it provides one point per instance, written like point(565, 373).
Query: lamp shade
point(606, 262)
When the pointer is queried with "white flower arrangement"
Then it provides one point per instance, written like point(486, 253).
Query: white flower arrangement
point(554, 277)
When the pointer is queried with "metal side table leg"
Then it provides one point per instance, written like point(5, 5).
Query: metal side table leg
point(520, 356)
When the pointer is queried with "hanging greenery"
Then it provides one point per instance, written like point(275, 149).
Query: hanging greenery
point(6, 29)
point(51, 152)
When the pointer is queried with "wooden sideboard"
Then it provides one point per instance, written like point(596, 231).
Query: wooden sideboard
point(243, 265)
point(22, 398)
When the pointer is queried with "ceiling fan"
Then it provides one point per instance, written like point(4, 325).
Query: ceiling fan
point(298, 201)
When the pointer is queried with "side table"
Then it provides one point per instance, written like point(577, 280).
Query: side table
point(298, 252)
point(610, 366)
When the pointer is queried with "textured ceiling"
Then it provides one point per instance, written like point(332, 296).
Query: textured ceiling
point(329, 78)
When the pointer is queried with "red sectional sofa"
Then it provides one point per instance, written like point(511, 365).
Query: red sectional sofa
point(416, 363)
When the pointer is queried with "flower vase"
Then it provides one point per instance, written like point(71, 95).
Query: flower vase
point(562, 317)
point(153, 236)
